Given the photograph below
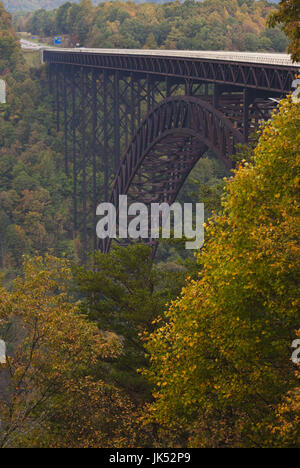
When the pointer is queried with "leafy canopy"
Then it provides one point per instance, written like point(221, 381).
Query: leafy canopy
point(288, 15)
point(222, 363)
point(49, 393)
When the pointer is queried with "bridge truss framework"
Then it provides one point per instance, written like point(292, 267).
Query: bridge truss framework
point(138, 126)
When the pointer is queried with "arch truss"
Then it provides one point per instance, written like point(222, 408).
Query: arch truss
point(140, 134)
point(167, 146)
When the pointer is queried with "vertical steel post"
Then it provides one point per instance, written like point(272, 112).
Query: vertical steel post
point(94, 150)
point(50, 78)
point(66, 123)
point(116, 120)
point(148, 93)
point(139, 98)
point(74, 144)
point(105, 135)
point(57, 80)
point(126, 106)
point(216, 96)
point(168, 87)
point(83, 156)
point(188, 87)
point(51, 89)
point(246, 103)
point(132, 105)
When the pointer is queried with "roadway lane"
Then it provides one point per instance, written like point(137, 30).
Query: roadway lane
point(28, 45)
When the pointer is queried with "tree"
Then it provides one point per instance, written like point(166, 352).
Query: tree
point(221, 364)
point(286, 427)
point(125, 293)
point(61, 18)
point(288, 15)
point(279, 41)
point(210, 24)
point(9, 45)
point(49, 395)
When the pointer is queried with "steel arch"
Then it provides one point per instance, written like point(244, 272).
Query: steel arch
point(166, 147)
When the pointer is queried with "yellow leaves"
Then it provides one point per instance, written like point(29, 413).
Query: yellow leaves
point(244, 303)
point(54, 342)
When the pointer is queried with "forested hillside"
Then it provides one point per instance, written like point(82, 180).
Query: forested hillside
point(31, 5)
point(34, 195)
point(220, 358)
point(14, 6)
point(181, 350)
point(207, 25)
point(9, 47)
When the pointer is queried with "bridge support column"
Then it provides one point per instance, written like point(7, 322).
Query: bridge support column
point(57, 78)
point(105, 154)
point(188, 87)
point(94, 150)
point(74, 148)
point(132, 105)
point(246, 104)
point(83, 129)
point(66, 121)
point(217, 92)
point(117, 119)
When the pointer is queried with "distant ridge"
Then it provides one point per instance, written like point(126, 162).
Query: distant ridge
point(14, 6)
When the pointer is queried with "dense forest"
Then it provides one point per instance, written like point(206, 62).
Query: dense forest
point(207, 25)
point(18, 6)
point(34, 208)
point(14, 6)
point(131, 351)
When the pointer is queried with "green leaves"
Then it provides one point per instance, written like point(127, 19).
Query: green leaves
point(224, 352)
point(287, 15)
point(49, 395)
point(124, 294)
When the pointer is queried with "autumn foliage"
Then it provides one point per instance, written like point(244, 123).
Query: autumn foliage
point(288, 15)
point(221, 357)
point(49, 393)
point(192, 25)
point(9, 47)
point(287, 423)
point(217, 370)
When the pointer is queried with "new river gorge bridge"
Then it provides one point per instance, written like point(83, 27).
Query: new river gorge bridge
point(135, 122)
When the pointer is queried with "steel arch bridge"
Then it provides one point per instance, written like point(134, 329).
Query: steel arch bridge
point(136, 122)
point(166, 147)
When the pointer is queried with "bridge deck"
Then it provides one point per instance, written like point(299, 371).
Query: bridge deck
point(268, 72)
point(246, 57)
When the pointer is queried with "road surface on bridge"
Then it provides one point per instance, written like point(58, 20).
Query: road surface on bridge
point(247, 57)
